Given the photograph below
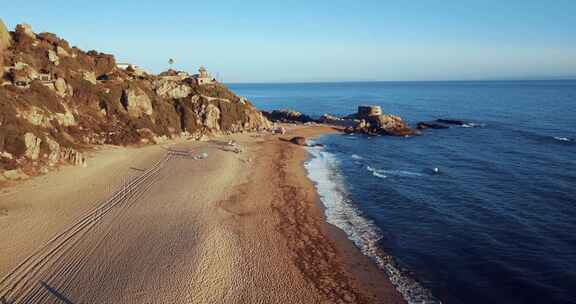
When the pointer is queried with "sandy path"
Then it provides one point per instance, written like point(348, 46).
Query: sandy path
point(232, 228)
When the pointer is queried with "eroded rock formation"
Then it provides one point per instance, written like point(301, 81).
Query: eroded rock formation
point(371, 120)
point(5, 42)
point(288, 116)
point(57, 101)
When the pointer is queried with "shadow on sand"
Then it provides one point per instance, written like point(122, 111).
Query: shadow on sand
point(56, 294)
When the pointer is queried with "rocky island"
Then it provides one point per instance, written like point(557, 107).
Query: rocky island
point(368, 120)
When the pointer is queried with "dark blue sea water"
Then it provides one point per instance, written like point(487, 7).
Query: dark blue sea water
point(496, 224)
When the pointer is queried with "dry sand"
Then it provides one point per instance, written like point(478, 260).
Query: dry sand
point(151, 226)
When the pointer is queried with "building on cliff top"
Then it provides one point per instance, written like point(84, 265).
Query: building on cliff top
point(366, 111)
point(174, 75)
point(138, 71)
point(203, 77)
point(122, 65)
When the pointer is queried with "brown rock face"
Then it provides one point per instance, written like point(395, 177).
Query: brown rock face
point(103, 63)
point(211, 117)
point(56, 100)
point(171, 89)
point(288, 116)
point(24, 74)
point(53, 57)
point(61, 87)
point(218, 115)
point(136, 102)
point(32, 145)
point(25, 29)
point(5, 38)
point(5, 41)
point(54, 147)
point(90, 77)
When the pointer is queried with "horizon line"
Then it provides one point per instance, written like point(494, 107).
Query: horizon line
point(573, 78)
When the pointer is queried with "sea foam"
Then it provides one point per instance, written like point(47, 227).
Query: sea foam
point(380, 173)
point(561, 138)
point(340, 210)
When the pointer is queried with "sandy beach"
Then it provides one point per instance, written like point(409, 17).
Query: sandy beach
point(152, 225)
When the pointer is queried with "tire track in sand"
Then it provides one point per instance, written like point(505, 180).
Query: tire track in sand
point(22, 284)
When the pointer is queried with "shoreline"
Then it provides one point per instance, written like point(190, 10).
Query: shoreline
point(249, 224)
point(371, 281)
point(356, 233)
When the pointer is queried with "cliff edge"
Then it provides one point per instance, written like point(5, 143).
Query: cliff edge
point(57, 100)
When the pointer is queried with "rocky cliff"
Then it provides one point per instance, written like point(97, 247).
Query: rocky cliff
point(57, 101)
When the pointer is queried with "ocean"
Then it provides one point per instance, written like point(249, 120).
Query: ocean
point(482, 213)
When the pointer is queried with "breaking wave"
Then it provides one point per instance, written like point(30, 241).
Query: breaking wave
point(561, 138)
point(473, 125)
point(340, 211)
point(385, 173)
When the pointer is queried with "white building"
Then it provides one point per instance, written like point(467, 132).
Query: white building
point(203, 77)
point(138, 71)
point(122, 66)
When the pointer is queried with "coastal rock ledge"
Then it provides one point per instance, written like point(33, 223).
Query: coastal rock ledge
point(370, 120)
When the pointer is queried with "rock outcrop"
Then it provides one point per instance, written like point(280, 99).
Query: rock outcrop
point(5, 38)
point(57, 101)
point(54, 153)
point(90, 77)
point(209, 116)
point(430, 125)
point(171, 89)
point(32, 143)
point(327, 118)
point(442, 123)
point(73, 157)
point(287, 116)
point(136, 102)
point(25, 29)
point(53, 57)
point(61, 52)
point(370, 120)
point(61, 87)
point(5, 42)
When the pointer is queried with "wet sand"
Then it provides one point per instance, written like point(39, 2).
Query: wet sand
point(145, 225)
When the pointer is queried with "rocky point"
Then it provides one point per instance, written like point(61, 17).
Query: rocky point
point(57, 101)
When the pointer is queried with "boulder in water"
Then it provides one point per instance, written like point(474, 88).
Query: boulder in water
point(287, 116)
point(430, 125)
point(371, 121)
point(298, 140)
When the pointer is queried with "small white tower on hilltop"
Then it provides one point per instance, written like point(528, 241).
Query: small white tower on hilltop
point(203, 72)
point(203, 77)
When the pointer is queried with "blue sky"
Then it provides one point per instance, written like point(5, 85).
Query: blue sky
point(284, 41)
